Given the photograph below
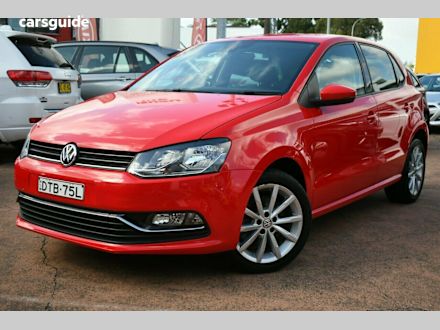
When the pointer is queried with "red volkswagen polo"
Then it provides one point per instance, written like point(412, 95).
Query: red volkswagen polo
point(233, 145)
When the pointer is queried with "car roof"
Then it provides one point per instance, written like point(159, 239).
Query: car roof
point(431, 75)
point(301, 37)
point(106, 42)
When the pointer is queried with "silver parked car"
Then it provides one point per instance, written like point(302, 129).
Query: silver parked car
point(432, 85)
point(35, 82)
point(107, 66)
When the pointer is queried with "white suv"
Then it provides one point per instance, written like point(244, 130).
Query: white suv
point(35, 82)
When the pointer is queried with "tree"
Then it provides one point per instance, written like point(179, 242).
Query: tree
point(234, 22)
point(365, 28)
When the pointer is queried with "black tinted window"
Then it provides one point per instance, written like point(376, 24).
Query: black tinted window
point(340, 65)
point(381, 68)
point(233, 67)
point(414, 80)
point(399, 74)
point(39, 54)
point(142, 60)
point(68, 52)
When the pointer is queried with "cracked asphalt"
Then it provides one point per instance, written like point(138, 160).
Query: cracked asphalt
point(371, 255)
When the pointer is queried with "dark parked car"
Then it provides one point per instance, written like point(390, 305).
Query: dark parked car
point(108, 66)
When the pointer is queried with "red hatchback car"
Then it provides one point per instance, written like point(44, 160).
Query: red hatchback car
point(233, 145)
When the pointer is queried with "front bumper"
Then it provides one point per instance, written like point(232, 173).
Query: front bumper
point(220, 198)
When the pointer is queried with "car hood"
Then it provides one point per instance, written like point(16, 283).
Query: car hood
point(136, 121)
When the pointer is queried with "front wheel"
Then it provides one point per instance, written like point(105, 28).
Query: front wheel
point(408, 189)
point(276, 224)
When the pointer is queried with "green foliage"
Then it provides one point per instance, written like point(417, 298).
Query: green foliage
point(366, 28)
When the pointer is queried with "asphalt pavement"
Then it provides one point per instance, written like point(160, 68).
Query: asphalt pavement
point(371, 255)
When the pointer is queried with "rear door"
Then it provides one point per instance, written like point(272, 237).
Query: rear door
point(395, 99)
point(343, 145)
point(104, 69)
point(142, 60)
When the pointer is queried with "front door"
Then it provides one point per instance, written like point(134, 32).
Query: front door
point(104, 69)
point(344, 147)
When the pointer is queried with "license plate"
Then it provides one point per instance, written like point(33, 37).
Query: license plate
point(64, 87)
point(61, 188)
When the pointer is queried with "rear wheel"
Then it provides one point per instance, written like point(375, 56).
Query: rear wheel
point(276, 224)
point(408, 189)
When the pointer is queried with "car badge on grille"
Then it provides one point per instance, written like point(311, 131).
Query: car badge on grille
point(68, 154)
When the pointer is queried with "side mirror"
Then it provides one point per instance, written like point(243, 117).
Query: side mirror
point(334, 94)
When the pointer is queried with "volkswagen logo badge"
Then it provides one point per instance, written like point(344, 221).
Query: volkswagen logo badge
point(69, 154)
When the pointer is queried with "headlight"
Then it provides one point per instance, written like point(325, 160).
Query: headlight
point(204, 156)
point(25, 149)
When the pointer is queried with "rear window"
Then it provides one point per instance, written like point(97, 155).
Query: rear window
point(39, 53)
point(68, 52)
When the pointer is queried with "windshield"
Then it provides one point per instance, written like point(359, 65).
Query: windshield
point(431, 83)
point(231, 67)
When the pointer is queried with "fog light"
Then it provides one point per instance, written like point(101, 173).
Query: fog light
point(177, 219)
point(172, 219)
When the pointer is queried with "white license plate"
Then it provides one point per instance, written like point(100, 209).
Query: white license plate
point(61, 188)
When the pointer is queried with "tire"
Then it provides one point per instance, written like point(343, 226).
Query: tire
point(18, 145)
point(272, 225)
point(404, 191)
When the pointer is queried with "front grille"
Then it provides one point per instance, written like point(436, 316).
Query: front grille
point(106, 159)
point(94, 225)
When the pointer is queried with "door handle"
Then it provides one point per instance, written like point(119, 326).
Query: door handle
point(372, 118)
point(123, 78)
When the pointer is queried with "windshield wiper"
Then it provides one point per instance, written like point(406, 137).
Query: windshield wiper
point(179, 90)
point(259, 92)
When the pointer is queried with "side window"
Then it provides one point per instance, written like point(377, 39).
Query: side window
point(399, 75)
point(98, 59)
point(122, 65)
point(142, 60)
point(340, 65)
point(381, 68)
point(414, 80)
point(68, 52)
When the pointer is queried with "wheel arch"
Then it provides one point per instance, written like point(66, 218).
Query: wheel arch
point(290, 161)
point(422, 135)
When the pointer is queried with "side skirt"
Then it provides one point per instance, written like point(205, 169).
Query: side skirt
point(355, 196)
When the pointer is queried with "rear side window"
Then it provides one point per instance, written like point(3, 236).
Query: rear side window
point(68, 52)
point(142, 60)
point(399, 74)
point(39, 53)
point(340, 65)
point(414, 80)
point(381, 68)
point(103, 59)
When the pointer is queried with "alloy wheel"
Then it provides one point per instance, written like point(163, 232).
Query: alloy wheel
point(272, 224)
point(416, 170)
